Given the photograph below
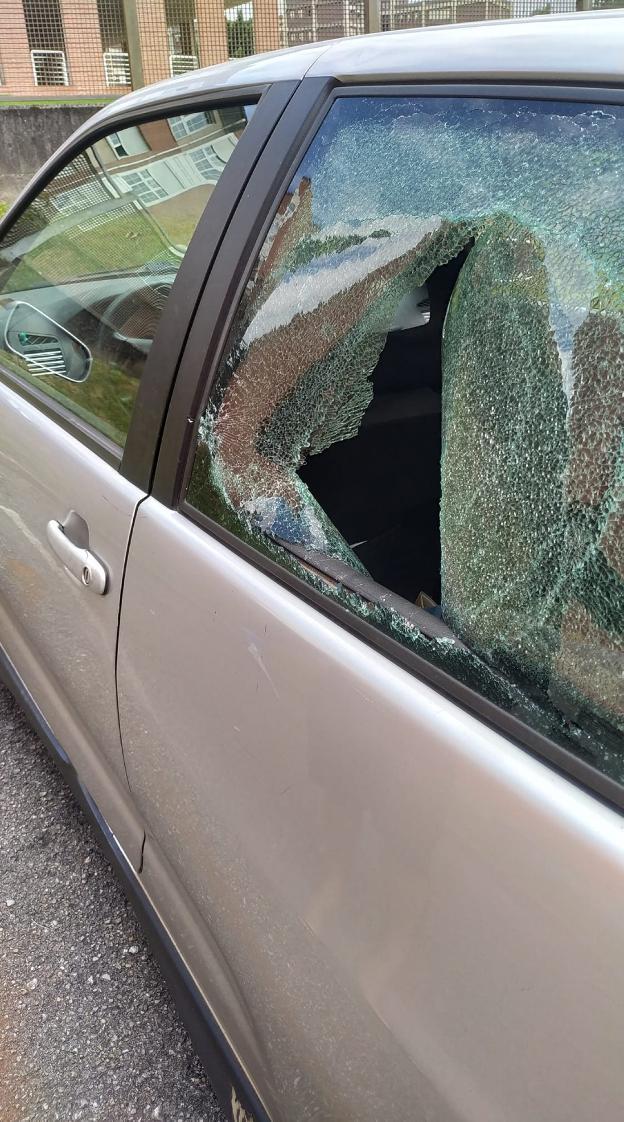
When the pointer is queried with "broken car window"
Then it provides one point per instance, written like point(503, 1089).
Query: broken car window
point(425, 384)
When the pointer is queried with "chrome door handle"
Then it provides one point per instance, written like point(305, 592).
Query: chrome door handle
point(81, 563)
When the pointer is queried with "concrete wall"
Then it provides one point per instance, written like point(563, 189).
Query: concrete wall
point(28, 135)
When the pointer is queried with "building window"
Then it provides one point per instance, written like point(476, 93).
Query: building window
point(46, 40)
point(112, 25)
point(144, 186)
point(44, 25)
point(208, 164)
point(114, 42)
point(194, 122)
point(116, 144)
point(182, 36)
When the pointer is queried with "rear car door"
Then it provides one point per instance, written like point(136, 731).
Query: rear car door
point(377, 594)
point(96, 290)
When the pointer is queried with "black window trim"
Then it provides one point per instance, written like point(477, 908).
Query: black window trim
point(231, 267)
point(207, 340)
point(137, 459)
point(159, 374)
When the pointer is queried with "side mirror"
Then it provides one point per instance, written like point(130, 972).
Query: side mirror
point(45, 346)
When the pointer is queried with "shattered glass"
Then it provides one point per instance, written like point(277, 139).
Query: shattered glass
point(532, 472)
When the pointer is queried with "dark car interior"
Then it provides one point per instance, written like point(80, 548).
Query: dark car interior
point(381, 489)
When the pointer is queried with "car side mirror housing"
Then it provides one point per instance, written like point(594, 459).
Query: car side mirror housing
point(45, 346)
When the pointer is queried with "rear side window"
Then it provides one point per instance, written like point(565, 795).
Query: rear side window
point(87, 268)
point(420, 408)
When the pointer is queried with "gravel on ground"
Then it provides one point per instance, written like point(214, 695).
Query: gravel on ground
point(87, 1028)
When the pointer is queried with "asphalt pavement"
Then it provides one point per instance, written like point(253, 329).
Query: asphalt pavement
point(87, 1028)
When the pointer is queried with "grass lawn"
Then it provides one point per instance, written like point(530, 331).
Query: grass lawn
point(47, 103)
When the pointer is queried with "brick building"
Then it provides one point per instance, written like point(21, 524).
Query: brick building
point(50, 48)
point(101, 48)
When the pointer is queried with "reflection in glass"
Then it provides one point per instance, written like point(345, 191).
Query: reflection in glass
point(98, 250)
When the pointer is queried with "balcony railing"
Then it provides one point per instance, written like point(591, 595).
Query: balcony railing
point(181, 64)
point(117, 67)
point(49, 68)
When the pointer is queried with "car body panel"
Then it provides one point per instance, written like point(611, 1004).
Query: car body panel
point(228, 1078)
point(60, 636)
point(423, 920)
point(564, 48)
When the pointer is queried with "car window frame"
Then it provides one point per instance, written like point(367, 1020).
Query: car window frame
point(208, 337)
point(136, 460)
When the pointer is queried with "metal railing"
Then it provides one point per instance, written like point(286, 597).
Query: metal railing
point(49, 68)
point(181, 64)
point(117, 68)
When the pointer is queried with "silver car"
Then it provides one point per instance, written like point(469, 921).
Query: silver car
point(312, 556)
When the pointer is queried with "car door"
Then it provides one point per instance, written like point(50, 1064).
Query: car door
point(96, 290)
point(369, 770)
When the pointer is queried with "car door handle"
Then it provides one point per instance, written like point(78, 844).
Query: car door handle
point(81, 563)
